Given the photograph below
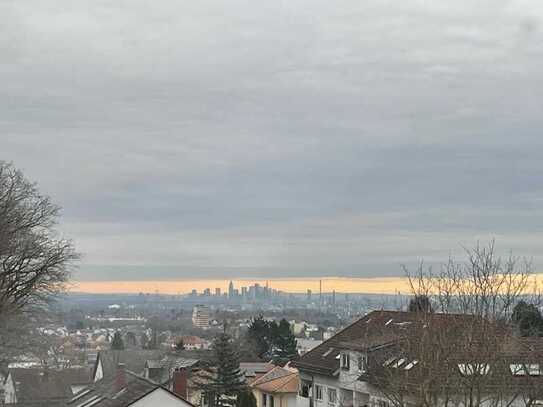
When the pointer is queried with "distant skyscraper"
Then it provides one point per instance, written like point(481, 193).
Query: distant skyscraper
point(244, 291)
point(252, 292)
point(309, 295)
point(194, 293)
point(207, 292)
point(218, 291)
point(231, 290)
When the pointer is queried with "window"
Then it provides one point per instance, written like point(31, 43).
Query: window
point(304, 388)
point(345, 361)
point(318, 392)
point(389, 361)
point(399, 362)
point(411, 365)
point(264, 399)
point(332, 395)
point(470, 369)
point(517, 369)
point(533, 369)
point(271, 401)
point(362, 363)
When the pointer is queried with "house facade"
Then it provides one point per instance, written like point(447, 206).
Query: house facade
point(277, 388)
point(382, 359)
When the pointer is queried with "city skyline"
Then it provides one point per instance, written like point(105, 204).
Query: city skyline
point(293, 285)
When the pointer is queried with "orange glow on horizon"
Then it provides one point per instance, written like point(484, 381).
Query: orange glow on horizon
point(383, 285)
point(377, 285)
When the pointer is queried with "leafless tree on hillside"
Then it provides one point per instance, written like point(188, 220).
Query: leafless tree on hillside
point(34, 261)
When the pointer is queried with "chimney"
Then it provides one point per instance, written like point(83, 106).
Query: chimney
point(120, 377)
point(180, 377)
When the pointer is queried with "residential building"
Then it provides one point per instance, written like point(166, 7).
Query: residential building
point(201, 316)
point(254, 370)
point(124, 389)
point(192, 342)
point(105, 365)
point(43, 386)
point(277, 388)
point(162, 371)
point(386, 355)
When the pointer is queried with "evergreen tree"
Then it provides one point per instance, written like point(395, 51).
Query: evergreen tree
point(227, 382)
point(246, 399)
point(259, 335)
point(528, 319)
point(117, 342)
point(420, 303)
point(284, 343)
point(179, 345)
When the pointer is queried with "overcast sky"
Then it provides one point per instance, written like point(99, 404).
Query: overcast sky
point(277, 138)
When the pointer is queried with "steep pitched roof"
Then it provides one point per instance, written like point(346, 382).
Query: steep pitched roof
point(163, 368)
point(254, 370)
point(395, 342)
point(108, 392)
point(278, 380)
point(39, 385)
point(134, 360)
point(378, 328)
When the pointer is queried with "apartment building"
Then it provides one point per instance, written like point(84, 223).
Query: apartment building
point(388, 357)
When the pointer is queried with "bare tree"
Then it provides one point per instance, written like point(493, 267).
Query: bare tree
point(484, 284)
point(35, 263)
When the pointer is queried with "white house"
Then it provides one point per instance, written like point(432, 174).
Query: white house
point(125, 389)
point(350, 369)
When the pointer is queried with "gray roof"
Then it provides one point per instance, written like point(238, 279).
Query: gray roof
point(164, 367)
point(253, 369)
point(106, 392)
point(47, 385)
point(134, 360)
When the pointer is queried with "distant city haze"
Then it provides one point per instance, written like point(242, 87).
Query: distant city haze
point(300, 285)
point(387, 285)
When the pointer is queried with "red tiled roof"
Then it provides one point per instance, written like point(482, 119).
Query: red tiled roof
point(278, 380)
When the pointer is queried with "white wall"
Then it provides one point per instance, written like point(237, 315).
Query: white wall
point(327, 383)
point(162, 398)
point(9, 391)
point(279, 400)
point(99, 374)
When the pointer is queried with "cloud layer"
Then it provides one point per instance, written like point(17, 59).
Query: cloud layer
point(241, 138)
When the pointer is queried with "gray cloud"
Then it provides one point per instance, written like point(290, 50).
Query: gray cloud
point(293, 138)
